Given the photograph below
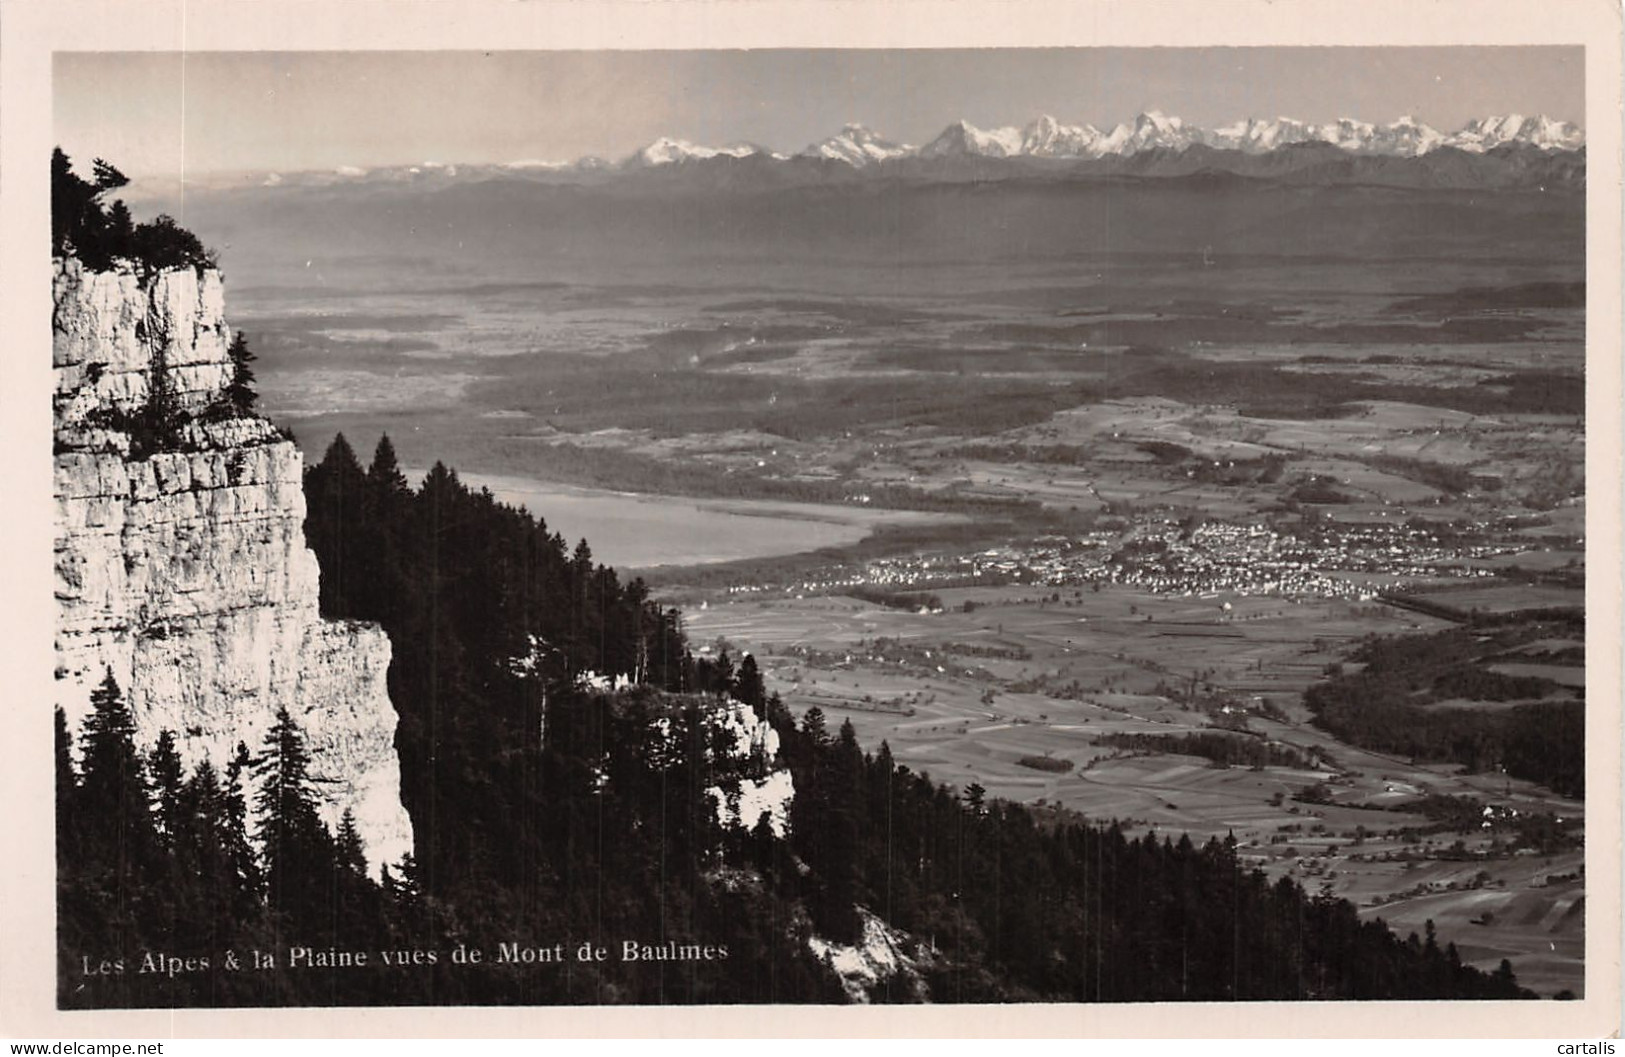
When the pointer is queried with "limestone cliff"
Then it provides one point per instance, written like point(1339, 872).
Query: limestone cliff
point(182, 566)
point(757, 784)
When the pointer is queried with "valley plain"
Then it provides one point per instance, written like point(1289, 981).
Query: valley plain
point(1071, 513)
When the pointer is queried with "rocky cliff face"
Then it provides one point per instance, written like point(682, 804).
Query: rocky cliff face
point(761, 786)
point(182, 566)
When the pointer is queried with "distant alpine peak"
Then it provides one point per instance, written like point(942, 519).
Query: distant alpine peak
point(858, 146)
point(964, 138)
point(1156, 119)
point(1487, 133)
point(669, 151)
point(1047, 137)
point(1406, 136)
point(1151, 130)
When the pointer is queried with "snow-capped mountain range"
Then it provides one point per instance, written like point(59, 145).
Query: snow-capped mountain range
point(1152, 138)
point(1046, 137)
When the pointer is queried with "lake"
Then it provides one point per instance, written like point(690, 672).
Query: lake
point(637, 531)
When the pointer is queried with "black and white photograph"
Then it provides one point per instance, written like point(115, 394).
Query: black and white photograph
point(1061, 524)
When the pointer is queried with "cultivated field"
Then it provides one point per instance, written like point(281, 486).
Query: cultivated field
point(1016, 693)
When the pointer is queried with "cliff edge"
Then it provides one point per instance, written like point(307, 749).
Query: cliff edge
point(180, 555)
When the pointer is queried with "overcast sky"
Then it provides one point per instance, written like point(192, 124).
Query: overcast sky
point(158, 114)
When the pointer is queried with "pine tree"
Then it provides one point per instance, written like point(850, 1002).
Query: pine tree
point(113, 793)
point(845, 804)
point(79, 224)
point(67, 792)
point(298, 851)
point(240, 390)
point(109, 900)
point(581, 561)
point(159, 426)
point(349, 849)
point(120, 226)
point(724, 675)
point(245, 868)
point(359, 905)
point(108, 178)
point(164, 770)
point(335, 527)
point(385, 471)
point(389, 500)
point(161, 243)
point(1504, 980)
point(812, 725)
point(206, 825)
point(71, 196)
point(76, 927)
point(748, 685)
point(405, 882)
point(584, 610)
point(385, 589)
point(200, 887)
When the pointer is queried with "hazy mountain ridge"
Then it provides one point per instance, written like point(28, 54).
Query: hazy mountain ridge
point(1300, 206)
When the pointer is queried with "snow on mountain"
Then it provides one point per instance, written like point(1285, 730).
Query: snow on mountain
point(858, 147)
point(1155, 130)
point(1548, 134)
point(1150, 131)
point(668, 151)
point(537, 164)
point(1256, 135)
point(1048, 138)
point(1405, 138)
point(1346, 133)
point(963, 138)
point(1487, 133)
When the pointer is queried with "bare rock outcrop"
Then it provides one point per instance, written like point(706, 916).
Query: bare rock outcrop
point(182, 567)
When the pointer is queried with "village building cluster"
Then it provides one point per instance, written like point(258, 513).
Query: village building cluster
point(1165, 555)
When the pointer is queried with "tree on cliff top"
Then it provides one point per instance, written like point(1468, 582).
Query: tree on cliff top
point(83, 226)
point(79, 223)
